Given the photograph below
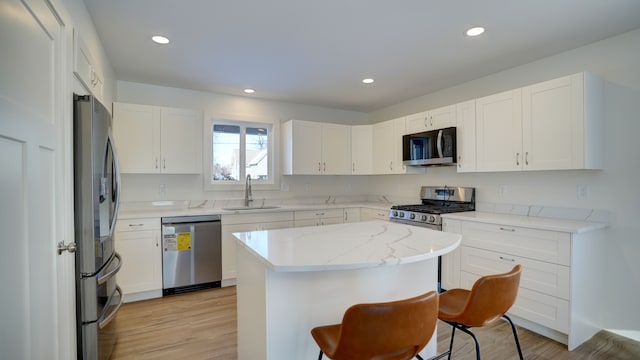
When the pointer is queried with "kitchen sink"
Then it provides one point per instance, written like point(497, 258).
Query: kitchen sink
point(240, 208)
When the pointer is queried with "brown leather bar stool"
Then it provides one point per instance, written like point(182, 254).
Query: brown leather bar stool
point(489, 299)
point(391, 330)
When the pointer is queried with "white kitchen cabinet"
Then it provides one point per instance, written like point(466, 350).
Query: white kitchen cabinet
point(361, 149)
point(318, 217)
point(450, 262)
point(499, 131)
point(154, 139)
point(367, 214)
point(84, 66)
point(138, 243)
point(466, 136)
point(242, 223)
point(351, 215)
point(387, 146)
point(563, 124)
point(553, 125)
point(312, 148)
point(439, 118)
point(559, 294)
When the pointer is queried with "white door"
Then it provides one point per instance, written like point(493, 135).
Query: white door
point(36, 310)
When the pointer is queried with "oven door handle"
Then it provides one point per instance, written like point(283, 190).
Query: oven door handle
point(102, 278)
point(105, 320)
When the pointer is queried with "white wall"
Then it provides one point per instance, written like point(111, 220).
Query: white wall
point(190, 187)
point(615, 189)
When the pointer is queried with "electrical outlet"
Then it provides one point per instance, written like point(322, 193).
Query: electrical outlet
point(502, 191)
point(284, 187)
point(583, 192)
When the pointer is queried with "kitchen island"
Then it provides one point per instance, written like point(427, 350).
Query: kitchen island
point(291, 280)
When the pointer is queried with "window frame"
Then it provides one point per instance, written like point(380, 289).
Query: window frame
point(230, 185)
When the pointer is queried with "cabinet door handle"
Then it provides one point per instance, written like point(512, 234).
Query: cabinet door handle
point(425, 122)
point(324, 166)
point(156, 163)
point(319, 166)
point(353, 167)
point(507, 259)
point(459, 161)
point(391, 165)
point(164, 163)
point(507, 229)
point(518, 159)
point(526, 158)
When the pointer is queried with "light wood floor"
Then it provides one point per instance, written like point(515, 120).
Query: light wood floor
point(202, 325)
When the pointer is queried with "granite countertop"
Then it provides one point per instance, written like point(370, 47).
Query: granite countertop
point(534, 222)
point(346, 246)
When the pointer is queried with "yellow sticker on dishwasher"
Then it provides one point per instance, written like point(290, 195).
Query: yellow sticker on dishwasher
point(184, 241)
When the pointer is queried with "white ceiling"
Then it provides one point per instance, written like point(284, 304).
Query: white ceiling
point(317, 52)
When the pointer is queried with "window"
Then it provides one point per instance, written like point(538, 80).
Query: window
point(239, 149)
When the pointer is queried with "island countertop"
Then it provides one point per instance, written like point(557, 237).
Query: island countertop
point(346, 246)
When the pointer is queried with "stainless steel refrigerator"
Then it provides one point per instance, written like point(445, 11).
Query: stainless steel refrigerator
point(96, 199)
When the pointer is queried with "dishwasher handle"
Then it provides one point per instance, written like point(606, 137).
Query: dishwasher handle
point(190, 219)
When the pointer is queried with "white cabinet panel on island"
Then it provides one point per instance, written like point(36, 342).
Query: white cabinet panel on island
point(155, 139)
point(318, 217)
point(138, 243)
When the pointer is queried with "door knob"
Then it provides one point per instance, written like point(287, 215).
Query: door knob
point(70, 247)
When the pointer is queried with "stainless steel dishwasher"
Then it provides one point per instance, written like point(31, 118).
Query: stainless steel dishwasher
point(192, 253)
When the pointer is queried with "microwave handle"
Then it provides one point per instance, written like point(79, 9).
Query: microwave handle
point(439, 142)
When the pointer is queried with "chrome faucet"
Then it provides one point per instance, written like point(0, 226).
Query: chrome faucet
point(248, 197)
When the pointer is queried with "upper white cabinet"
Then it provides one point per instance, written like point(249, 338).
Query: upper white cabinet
point(499, 131)
point(562, 123)
point(316, 148)
point(466, 136)
point(361, 149)
point(153, 139)
point(430, 120)
point(387, 146)
point(552, 125)
point(84, 66)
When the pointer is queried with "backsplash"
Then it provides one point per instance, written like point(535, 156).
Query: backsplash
point(588, 215)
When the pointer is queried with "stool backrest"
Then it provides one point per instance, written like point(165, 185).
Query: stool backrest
point(392, 330)
point(491, 297)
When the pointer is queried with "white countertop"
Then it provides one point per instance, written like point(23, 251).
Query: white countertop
point(540, 223)
point(160, 211)
point(346, 246)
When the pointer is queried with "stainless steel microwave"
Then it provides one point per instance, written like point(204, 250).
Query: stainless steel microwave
point(435, 147)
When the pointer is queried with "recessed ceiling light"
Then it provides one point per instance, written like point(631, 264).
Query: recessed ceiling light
point(368, 81)
point(160, 39)
point(475, 31)
point(249, 91)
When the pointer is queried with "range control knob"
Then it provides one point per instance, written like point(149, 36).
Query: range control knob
point(423, 218)
point(412, 216)
point(395, 213)
point(432, 218)
point(401, 214)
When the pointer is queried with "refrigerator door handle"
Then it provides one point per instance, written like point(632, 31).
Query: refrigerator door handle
point(105, 320)
point(111, 270)
point(116, 183)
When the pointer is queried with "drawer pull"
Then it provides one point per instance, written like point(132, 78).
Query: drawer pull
point(135, 225)
point(507, 259)
point(507, 229)
point(319, 214)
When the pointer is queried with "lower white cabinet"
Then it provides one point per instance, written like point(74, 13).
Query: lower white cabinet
point(246, 222)
point(367, 214)
point(138, 243)
point(318, 217)
point(560, 287)
point(351, 215)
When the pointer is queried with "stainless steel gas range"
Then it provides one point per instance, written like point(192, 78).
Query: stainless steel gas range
point(435, 200)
